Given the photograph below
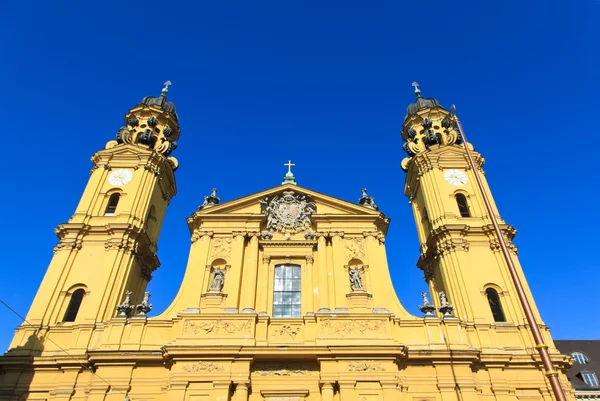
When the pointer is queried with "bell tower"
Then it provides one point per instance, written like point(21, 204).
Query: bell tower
point(460, 253)
point(109, 245)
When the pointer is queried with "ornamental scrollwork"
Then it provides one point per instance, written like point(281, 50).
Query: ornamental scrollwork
point(199, 234)
point(439, 128)
point(202, 367)
point(365, 366)
point(289, 212)
point(355, 248)
point(217, 327)
point(287, 330)
point(221, 248)
point(278, 369)
point(378, 235)
point(344, 328)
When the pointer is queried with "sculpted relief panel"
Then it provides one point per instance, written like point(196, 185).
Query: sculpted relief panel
point(218, 328)
point(220, 248)
point(365, 366)
point(353, 328)
point(355, 248)
point(202, 367)
point(286, 333)
point(289, 212)
point(279, 369)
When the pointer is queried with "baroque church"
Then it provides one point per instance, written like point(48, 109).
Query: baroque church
point(287, 294)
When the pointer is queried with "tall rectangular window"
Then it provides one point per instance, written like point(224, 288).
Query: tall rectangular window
point(286, 296)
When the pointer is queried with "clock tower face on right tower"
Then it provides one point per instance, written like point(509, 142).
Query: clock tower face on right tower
point(459, 251)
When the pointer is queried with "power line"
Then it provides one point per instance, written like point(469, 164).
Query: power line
point(62, 349)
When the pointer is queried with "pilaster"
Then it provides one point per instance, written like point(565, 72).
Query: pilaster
point(235, 274)
point(248, 288)
point(322, 256)
point(309, 286)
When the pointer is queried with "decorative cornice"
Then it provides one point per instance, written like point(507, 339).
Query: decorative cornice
point(443, 240)
point(288, 243)
point(509, 233)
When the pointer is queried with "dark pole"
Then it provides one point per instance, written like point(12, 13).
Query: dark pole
point(535, 330)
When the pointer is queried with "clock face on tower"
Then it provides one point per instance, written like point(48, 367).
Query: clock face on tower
point(456, 177)
point(120, 177)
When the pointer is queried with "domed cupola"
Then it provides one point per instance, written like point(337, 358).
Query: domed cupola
point(161, 101)
point(420, 103)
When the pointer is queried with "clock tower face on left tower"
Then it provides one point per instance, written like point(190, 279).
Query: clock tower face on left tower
point(108, 246)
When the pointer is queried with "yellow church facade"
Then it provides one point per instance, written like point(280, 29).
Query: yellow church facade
point(287, 294)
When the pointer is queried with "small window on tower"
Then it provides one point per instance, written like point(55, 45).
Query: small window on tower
point(74, 305)
point(463, 206)
point(111, 207)
point(495, 306)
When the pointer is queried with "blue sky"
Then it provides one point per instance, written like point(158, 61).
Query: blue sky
point(258, 83)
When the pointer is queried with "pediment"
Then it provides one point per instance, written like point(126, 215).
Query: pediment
point(325, 205)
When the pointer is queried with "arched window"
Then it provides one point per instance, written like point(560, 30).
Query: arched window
point(111, 207)
point(495, 306)
point(286, 295)
point(74, 305)
point(580, 357)
point(463, 205)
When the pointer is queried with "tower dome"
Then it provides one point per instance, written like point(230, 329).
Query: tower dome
point(161, 101)
point(420, 102)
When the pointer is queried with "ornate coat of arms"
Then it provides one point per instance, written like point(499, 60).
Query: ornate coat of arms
point(290, 212)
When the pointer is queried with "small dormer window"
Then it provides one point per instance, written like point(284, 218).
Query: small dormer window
point(590, 379)
point(580, 357)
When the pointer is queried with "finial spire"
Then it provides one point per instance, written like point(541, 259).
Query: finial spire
point(417, 90)
point(165, 90)
point(289, 176)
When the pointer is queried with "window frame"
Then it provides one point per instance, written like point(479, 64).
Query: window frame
point(500, 308)
point(593, 383)
point(287, 284)
point(111, 210)
point(70, 306)
point(580, 357)
point(464, 210)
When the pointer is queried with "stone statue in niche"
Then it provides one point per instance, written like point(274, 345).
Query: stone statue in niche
point(216, 284)
point(356, 283)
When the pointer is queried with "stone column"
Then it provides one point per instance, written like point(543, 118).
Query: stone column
point(241, 392)
point(249, 275)
point(234, 277)
point(309, 286)
point(262, 302)
point(323, 278)
point(327, 391)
